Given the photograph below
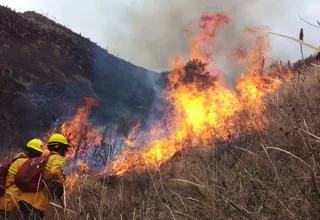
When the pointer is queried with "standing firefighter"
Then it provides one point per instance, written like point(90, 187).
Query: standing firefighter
point(10, 194)
point(40, 178)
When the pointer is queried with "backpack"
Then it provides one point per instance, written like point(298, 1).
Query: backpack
point(29, 175)
point(4, 168)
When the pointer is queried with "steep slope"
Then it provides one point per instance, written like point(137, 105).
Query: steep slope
point(269, 174)
point(46, 70)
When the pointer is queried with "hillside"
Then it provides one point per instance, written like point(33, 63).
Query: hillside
point(46, 70)
point(250, 151)
point(269, 174)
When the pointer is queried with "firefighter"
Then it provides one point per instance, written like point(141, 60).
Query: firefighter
point(32, 205)
point(9, 200)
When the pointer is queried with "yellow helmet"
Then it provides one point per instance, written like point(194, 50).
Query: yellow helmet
point(57, 138)
point(36, 144)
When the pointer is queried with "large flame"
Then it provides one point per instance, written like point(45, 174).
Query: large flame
point(202, 109)
point(209, 112)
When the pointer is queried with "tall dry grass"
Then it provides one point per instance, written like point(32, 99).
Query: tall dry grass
point(272, 174)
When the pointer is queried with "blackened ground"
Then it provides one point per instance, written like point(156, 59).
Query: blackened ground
point(46, 70)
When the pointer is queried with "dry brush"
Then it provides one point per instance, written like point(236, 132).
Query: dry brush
point(272, 174)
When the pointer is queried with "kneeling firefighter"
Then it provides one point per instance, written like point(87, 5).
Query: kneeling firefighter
point(10, 193)
point(38, 178)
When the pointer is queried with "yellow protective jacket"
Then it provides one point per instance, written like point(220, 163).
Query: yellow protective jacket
point(9, 200)
point(53, 177)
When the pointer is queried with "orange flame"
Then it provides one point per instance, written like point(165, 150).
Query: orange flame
point(209, 113)
point(203, 109)
point(83, 166)
point(132, 137)
point(202, 46)
point(79, 130)
point(71, 182)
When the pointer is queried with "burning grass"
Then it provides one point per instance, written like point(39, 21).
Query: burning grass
point(203, 109)
point(270, 174)
point(242, 153)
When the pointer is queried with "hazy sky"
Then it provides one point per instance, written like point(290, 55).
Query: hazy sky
point(150, 32)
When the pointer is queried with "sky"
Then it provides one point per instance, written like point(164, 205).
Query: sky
point(150, 33)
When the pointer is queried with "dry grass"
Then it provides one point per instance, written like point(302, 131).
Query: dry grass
point(267, 175)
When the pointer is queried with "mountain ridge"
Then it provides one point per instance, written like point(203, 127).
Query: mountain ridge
point(46, 69)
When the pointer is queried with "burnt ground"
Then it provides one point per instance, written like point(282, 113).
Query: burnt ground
point(46, 70)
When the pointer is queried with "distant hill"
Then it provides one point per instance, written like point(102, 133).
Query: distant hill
point(46, 70)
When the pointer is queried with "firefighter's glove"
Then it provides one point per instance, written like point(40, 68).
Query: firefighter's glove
point(59, 192)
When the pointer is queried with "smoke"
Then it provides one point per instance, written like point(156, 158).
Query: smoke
point(154, 30)
point(150, 33)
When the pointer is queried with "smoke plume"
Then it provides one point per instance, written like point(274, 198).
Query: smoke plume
point(155, 30)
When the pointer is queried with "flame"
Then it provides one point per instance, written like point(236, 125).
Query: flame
point(202, 47)
point(204, 110)
point(132, 137)
point(79, 131)
point(83, 166)
point(71, 182)
point(201, 109)
point(81, 135)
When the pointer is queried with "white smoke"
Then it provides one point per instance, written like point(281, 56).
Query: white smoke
point(149, 33)
point(154, 30)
